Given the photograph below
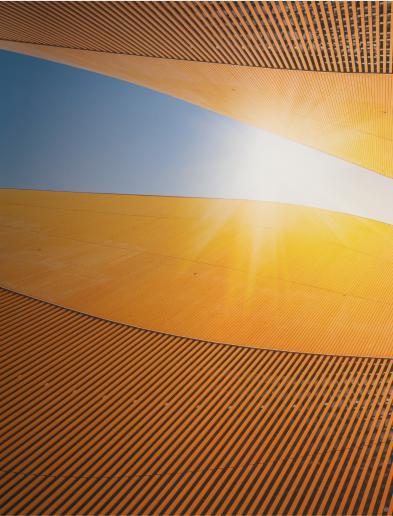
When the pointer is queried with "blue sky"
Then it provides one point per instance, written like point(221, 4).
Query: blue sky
point(62, 128)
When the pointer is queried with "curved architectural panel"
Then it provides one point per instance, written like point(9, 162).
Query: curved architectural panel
point(336, 99)
point(345, 115)
point(264, 382)
point(102, 418)
point(254, 273)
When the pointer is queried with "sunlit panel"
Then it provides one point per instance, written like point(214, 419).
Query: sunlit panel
point(189, 354)
point(260, 274)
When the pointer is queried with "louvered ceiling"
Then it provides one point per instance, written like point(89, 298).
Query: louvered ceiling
point(103, 418)
point(323, 36)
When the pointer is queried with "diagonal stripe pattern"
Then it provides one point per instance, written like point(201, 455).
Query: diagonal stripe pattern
point(321, 36)
point(104, 418)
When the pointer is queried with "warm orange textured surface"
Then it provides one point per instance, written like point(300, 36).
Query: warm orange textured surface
point(326, 36)
point(101, 418)
point(347, 115)
point(288, 414)
point(244, 272)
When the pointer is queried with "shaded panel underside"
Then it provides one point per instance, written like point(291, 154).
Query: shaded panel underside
point(260, 274)
point(345, 115)
point(103, 418)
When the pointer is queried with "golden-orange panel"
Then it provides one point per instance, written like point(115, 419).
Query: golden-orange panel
point(348, 115)
point(244, 272)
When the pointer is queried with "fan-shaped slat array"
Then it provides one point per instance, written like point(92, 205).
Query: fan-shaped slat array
point(321, 36)
point(104, 418)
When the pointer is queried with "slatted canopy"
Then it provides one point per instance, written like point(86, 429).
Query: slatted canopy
point(320, 36)
point(104, 418)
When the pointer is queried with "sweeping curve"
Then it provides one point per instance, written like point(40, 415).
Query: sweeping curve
point(318, 75)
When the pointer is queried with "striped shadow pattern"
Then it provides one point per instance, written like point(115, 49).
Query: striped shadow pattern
point(104, 418)
point(326, 36)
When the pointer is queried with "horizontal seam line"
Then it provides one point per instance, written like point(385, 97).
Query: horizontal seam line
point(196, 61)
point(201, 220)
point(136, 251)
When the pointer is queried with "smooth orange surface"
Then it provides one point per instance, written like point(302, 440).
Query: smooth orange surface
point(245, 272)
point(347, 115)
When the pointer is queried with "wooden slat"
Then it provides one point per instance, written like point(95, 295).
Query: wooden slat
point(159, 424)
point(256, 34)
point(385, 21)
point(259, 16)
point(298, 53)
point(377, 35)
point(310, 40)
point(364, 36)
point(370, 17)
point(224, 45)
point(243, 41)
point(281, 47)
point(329, 39)
point(319, 18)
point(347, 21)
point(343, 51)
point(250, 30)
point(299, 31)
point(357, 30)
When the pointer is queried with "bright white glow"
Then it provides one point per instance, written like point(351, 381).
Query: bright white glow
point(257, 165)
point(69, 129)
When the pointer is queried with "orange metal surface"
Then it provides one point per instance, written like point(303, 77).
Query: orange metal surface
point(346, 115)
point(258, 62)
point(254, 273)
point(103, 418)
